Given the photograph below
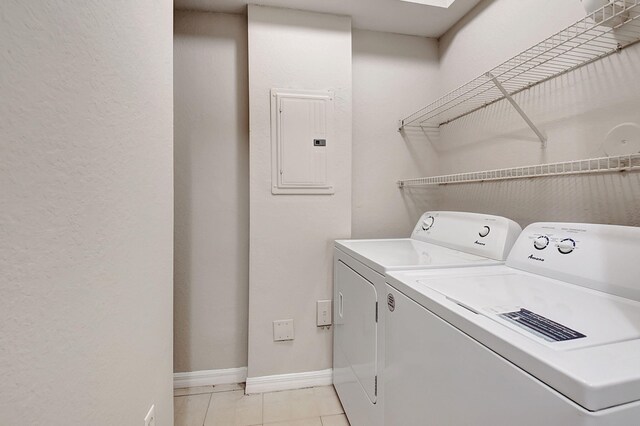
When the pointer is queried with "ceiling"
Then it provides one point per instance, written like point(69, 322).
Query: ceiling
point(393, 16)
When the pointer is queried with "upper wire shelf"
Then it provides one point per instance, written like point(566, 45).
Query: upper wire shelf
point(599, 34)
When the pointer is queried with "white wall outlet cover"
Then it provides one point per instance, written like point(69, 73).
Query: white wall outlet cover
point(283, 330)
point(324, 313)
point(150, 418)
point(624, 139)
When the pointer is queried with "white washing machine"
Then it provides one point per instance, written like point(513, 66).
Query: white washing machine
point(551, 338)
point(439, 240)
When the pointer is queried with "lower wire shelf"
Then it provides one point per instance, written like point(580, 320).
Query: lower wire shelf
point(619, 163)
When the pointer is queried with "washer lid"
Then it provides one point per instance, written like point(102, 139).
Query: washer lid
point(581, 342)
point(407, 253)
point(557, 315)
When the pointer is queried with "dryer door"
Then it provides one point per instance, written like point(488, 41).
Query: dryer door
point(357, 333)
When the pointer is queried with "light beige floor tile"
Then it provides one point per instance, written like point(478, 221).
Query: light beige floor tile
point(313, 421)
point(327, 401)
point(337, 420)
point(234, 408)
point(289, 405)
point(190, 410)
point(229, 387)
point(196, 390)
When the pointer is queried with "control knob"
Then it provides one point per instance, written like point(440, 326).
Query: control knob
point(484, 231)
point(566, 246)
point(541, 242)
point(427, 223)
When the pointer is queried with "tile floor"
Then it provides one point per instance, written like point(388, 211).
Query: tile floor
point(227, 405)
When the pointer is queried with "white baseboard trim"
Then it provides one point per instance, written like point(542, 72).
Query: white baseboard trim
point(209, 377)
point(280, 382)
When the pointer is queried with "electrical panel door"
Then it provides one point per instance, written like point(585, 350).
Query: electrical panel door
point(301, 133)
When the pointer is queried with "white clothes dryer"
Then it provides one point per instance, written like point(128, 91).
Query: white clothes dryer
point(439, 240)
point(550, 338)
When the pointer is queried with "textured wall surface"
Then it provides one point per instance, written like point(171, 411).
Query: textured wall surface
point(292, 235)
point(86, 212)
point(212, 191)
point(392, 76)
point(576, 111)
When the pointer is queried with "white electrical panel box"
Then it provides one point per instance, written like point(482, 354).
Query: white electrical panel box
point(301, 141)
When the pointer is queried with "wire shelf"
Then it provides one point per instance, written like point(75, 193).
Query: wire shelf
point(603, 32)
point(593, 165)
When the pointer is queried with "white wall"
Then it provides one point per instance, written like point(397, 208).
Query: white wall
point(393, 75)
point(86, 212)
point(576, 111)
point(292, 235)
point(496, 30)
point(212, 191)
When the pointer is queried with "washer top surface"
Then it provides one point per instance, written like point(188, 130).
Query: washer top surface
point(555, 314)
point(407, 253)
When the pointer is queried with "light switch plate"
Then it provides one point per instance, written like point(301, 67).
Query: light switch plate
point(324, 313)
point(283, 330)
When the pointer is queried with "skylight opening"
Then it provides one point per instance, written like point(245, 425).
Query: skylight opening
point(436, 3)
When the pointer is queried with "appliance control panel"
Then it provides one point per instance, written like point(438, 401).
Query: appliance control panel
point(601, 257)
point(480, 234)
point(564, 245)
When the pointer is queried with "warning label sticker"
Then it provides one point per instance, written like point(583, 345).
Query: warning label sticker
point(541, 326)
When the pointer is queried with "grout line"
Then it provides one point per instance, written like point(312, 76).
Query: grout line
point(207, 412)
point(293, 420)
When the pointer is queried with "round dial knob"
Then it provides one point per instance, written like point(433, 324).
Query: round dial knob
point(541, 242)
point(566, 246)
point(427, 223)
point(484, 231)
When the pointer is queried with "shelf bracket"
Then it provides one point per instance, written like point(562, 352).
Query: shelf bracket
point(541, 136)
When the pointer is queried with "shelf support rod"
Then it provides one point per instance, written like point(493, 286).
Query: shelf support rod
point(515, 105)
